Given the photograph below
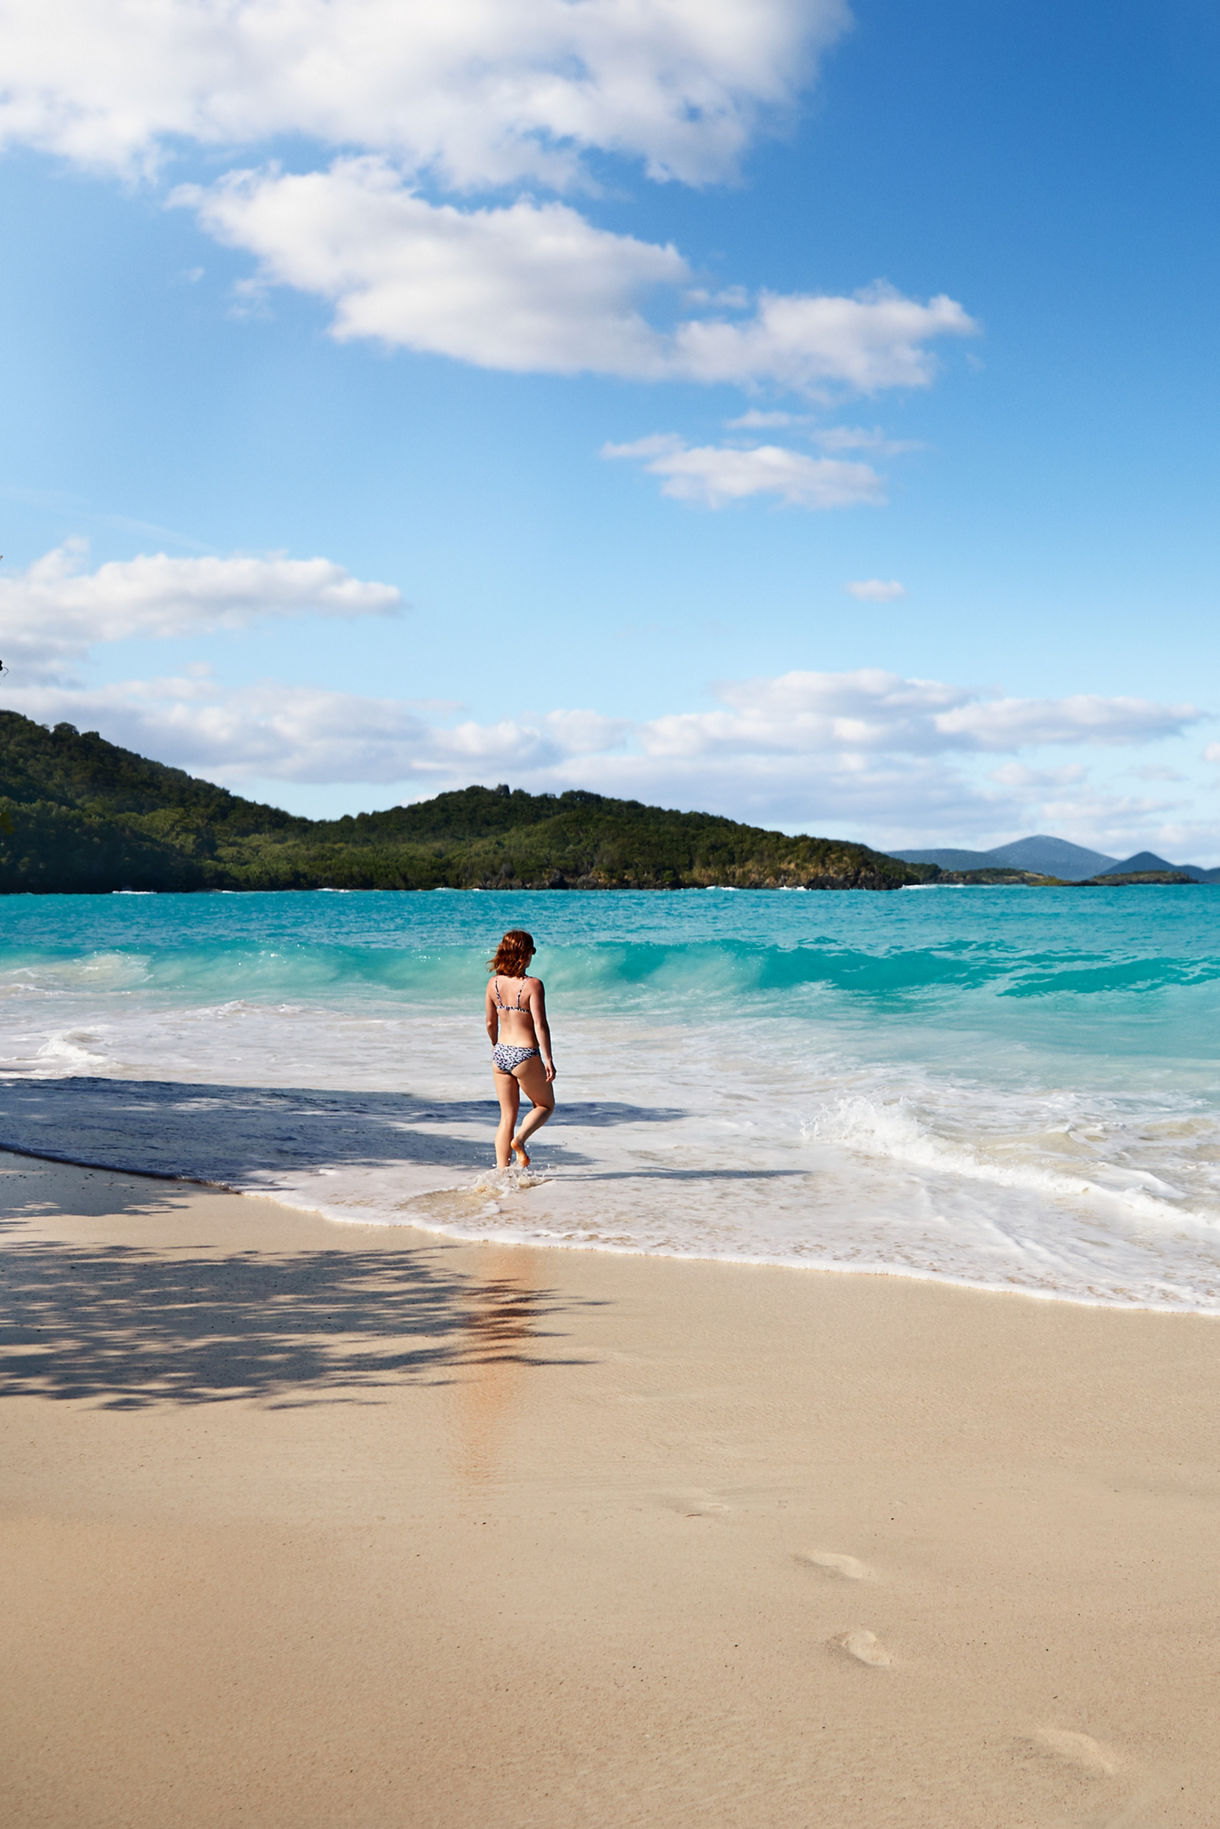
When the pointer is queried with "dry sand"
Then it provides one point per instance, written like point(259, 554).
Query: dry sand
point(308, 1526)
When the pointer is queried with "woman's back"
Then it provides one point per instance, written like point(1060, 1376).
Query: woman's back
point(512, 998)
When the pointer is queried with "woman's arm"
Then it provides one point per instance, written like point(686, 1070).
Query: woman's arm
point(542, 1028)
point(490, 1017)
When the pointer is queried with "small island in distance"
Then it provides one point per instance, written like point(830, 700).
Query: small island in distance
point(81, 815)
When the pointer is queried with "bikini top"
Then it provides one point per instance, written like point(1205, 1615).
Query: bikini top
point(508, 1006)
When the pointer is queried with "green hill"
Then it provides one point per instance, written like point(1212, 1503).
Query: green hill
point(78, 814)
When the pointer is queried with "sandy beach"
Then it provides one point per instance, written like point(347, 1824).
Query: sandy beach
point(310, 1525)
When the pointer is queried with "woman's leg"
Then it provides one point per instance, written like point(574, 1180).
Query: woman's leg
point(541, 1094)
point(509, 1094)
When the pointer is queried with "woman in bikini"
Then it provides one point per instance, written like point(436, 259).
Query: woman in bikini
point(521, 1046)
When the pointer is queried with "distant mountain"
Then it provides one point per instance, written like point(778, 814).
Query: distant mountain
point(1052, 857)
point(80, 814)
point(1143, 860)
point(1046, 856)
point(1043, 855)
point(1148, 860)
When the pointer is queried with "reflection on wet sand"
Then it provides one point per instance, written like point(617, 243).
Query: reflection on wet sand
point(500, 1315)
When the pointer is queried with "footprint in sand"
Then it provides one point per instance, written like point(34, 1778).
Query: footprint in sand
point(847, 1568)
point(1079, 1750)
point(865, 1647)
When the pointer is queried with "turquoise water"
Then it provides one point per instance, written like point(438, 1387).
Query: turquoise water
point(1007, 1087)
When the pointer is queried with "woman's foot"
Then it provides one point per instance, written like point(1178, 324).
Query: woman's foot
point(521, 1153)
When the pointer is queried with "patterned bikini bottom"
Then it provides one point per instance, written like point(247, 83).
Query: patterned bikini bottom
point(504, 1058)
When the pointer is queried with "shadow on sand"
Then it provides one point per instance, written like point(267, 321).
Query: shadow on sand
point(231, 1133)
point(127, 1328)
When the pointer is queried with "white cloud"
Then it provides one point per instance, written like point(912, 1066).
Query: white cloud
point(756, 420)
point(875, 590)
point(529, 287)
point(870, 712)
point(718, 474)
point(290, 733)
point(1121, 824)
point(536, 287)
point(875, 339)
point(861, 742)
point(1009, 724)
point(312, 734)
point(862, 713)
point(1212, 753)
point(479, 94)
point(54, 611)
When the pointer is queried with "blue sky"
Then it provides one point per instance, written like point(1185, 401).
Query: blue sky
point(529, 407)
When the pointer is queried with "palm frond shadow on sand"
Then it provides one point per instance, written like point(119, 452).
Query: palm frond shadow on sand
point(125, 1328)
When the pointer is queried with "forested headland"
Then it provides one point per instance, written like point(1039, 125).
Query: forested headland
point(81, 815)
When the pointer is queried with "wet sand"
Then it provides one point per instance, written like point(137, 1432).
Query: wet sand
point(308, 1526)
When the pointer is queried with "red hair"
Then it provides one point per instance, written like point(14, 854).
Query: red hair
point(513, 954)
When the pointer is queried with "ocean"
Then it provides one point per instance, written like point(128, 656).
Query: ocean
point(1007, 1088)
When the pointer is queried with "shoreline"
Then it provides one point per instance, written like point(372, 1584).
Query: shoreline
point(602, 1248)
point(288, 1510)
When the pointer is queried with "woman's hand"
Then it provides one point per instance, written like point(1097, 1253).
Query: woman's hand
point(548, 1068)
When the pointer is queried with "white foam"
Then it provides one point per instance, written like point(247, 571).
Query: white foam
point(893, 1133)
point(71, 1051)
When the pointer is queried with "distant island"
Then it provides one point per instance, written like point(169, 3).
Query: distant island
point(80, 815)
